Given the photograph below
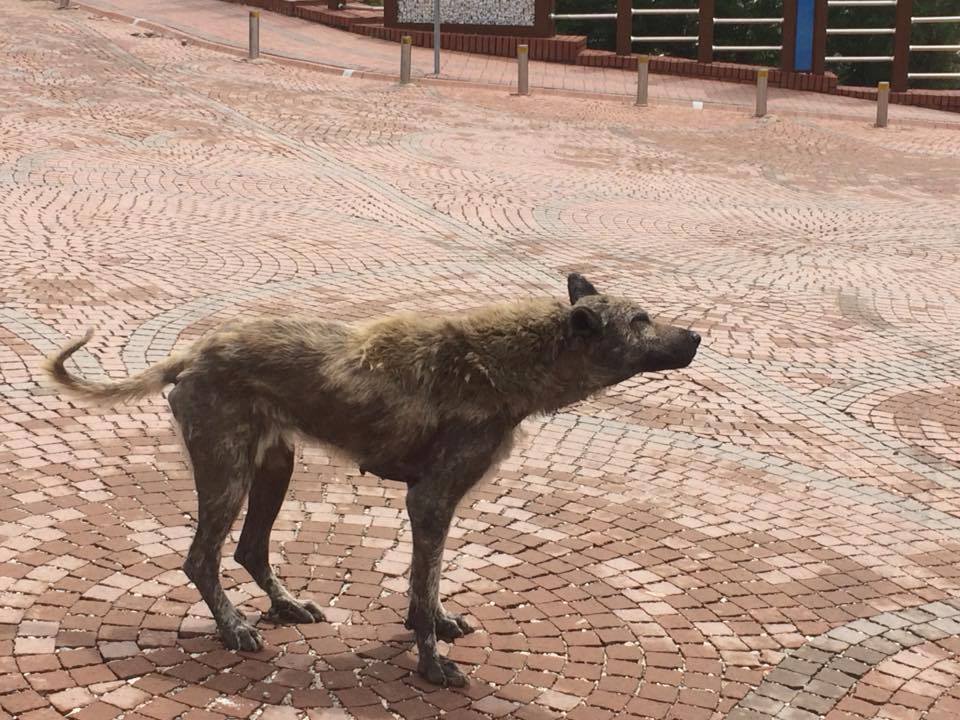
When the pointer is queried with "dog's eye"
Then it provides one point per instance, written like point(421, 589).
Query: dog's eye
point(640, 318)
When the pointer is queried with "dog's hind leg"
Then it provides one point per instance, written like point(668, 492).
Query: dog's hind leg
point(270, 483)
point(221, 445)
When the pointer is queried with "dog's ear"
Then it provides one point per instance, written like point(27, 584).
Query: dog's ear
point(578, 286)
point(585, 321)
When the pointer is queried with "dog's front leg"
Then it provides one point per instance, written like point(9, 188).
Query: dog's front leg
point(431, 511)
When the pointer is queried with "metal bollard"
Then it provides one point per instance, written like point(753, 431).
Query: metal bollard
point(406, 44)
point(883, 102)
point(254, 34)
point(523, 70)
point(643, 79)
point(762, 92)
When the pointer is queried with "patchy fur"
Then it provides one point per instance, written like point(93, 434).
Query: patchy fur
point(430, 402)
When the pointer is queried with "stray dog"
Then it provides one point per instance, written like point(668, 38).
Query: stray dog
point(432, 403)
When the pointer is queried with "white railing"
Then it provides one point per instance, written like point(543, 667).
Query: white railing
point(666, 11)
point(748, 21)
point(746, 48)
point(584, 16)
point(936, 19)
point(935, 48)
point(664, 38)
point(859, 58)
point(860, 31)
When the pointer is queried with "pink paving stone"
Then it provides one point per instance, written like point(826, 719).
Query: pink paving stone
point(67, 701)
point(33, 646)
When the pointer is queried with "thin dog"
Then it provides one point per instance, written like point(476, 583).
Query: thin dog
point(432, 403)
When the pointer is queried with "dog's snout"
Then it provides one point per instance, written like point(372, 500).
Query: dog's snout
point(695, 336)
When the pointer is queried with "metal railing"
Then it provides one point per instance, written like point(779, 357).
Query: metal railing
point(933, 20)
point(748, 21)
point(809, 56)
point(583, 16)
point(830, 31)
point(634, 12)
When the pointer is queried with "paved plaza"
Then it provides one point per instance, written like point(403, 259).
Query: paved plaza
point(771, 533)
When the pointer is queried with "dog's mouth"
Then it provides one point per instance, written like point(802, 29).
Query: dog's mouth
point(681, 356)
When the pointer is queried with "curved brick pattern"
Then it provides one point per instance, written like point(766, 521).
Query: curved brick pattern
point(850, 666)
point(687, 545)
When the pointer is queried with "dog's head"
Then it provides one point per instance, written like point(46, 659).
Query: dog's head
point(619, 339)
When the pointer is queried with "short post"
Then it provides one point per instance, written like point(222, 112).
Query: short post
point(436, 37)
point(762, 92)
point(406, 44)
point(883, 101)
point(64, 4)
point(523, 70)
point(643, 79)
point(254, 34)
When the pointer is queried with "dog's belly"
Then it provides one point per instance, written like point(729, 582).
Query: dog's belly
point(381, 437)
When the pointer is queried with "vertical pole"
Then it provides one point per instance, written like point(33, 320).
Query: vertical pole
point(901, 46)
point(819, 43)
point(406, 43)
point(788, 36)
point(643, 79)
point(436, 37)
point(883, 100)
point(705, 34)
point(762, 92)
point(624, 27)
point(254, 34)
point(523, 70)
point(64, 4)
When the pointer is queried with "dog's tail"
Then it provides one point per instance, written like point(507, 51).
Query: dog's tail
point(149, 382)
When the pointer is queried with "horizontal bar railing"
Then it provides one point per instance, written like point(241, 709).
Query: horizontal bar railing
point(859, 58)
point(860, 31)
point(862, 3)
point(747, 48)
point(666, 11)
point(583, 16)
point(929, 20)
point(935, 48)
point(747, 21)
point(663, 38)
point(935, 19)
point(703, 38)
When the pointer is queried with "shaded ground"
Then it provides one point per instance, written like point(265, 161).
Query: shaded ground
point(777, 524)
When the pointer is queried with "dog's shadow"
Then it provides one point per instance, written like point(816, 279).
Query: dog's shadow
point(364, 669)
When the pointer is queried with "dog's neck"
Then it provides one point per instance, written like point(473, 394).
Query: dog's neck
point(519, 357)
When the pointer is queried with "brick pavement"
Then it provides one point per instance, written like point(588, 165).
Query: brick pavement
point(773, 533)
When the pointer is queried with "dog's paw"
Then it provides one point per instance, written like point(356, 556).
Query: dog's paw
point(440, 671)
point(292, 611)
point(238, 634)
point(451, 627)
